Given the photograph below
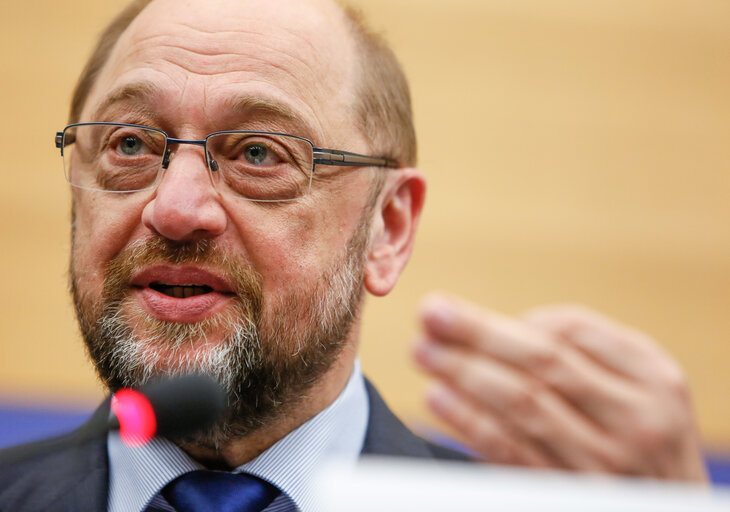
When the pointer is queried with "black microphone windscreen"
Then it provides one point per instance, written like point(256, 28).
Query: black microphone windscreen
point(184, 405)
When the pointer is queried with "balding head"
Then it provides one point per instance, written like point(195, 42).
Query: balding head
point(377, 95)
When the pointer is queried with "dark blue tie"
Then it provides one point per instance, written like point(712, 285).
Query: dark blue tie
point(215, 491)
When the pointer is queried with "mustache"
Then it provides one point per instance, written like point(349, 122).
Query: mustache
point(247, 283)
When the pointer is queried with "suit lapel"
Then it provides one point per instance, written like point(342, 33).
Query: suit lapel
point(386, 435)
point(83, 483)
point(68, 473)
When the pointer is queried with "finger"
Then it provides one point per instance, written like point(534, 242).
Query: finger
point(483, 431)
point(531, 409)
point(453, 321)
point(589, 386)
point(456, 321)
point(617, 347)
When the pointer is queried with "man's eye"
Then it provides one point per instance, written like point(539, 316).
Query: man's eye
point(256, 154)
point(130, 145)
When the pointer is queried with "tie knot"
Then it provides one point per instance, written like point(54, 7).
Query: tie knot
point(216, 491)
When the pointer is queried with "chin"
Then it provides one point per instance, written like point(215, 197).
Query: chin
point(131, 347)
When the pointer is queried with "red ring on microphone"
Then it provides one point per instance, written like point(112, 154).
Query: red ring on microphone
point(137, 422)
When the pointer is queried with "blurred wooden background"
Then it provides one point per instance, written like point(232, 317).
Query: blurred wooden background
point(576, 151)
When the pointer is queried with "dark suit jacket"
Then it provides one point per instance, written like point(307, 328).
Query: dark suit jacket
point(71, 473)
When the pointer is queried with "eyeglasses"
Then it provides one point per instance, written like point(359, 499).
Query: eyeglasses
point(252, 165)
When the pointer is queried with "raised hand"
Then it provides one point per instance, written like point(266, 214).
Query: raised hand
point(561, 387)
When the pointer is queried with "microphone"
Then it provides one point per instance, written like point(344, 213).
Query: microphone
point(171, 407)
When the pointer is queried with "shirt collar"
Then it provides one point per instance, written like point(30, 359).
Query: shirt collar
point(136, 474)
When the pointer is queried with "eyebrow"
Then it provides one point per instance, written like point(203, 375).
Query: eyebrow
point(267, 109)
point(141, 94)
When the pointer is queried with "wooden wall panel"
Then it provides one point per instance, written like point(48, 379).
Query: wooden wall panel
point(576, 151)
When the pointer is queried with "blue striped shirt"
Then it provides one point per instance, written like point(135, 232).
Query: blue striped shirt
point(136, 475)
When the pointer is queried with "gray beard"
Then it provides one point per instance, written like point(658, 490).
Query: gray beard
point(266, 361)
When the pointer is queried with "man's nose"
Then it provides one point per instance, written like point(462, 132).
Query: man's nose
point(185, 205)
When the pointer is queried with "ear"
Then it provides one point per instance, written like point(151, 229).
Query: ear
point(394, 229)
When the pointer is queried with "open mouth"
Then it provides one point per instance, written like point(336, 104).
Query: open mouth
point(180, 291)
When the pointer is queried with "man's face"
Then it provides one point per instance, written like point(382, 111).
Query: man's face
point(185, 277)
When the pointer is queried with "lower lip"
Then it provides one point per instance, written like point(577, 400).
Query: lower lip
point(187, 310)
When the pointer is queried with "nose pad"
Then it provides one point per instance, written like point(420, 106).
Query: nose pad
point(166, 159)
point(212, 163)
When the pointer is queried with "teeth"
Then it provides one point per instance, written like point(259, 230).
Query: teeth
point(181, 291)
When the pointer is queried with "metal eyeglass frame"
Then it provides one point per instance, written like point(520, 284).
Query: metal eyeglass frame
point(320, 156)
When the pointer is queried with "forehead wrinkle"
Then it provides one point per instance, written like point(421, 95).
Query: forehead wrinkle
point(302, 39)
point(298, 31)
point(177, 56)
point(242, 42)
point(225, 43)
point(184, 64)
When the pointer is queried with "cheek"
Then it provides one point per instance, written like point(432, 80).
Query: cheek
point(292, 246)
point(284, 248)
point(103, 227)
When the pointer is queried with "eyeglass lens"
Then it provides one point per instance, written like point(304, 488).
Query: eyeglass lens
point(256, 166)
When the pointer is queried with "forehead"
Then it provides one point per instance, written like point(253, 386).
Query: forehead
point(194, 59)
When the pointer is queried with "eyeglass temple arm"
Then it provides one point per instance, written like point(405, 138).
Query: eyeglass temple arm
point(59, 141)
point(337, 157)
point(70, 139)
